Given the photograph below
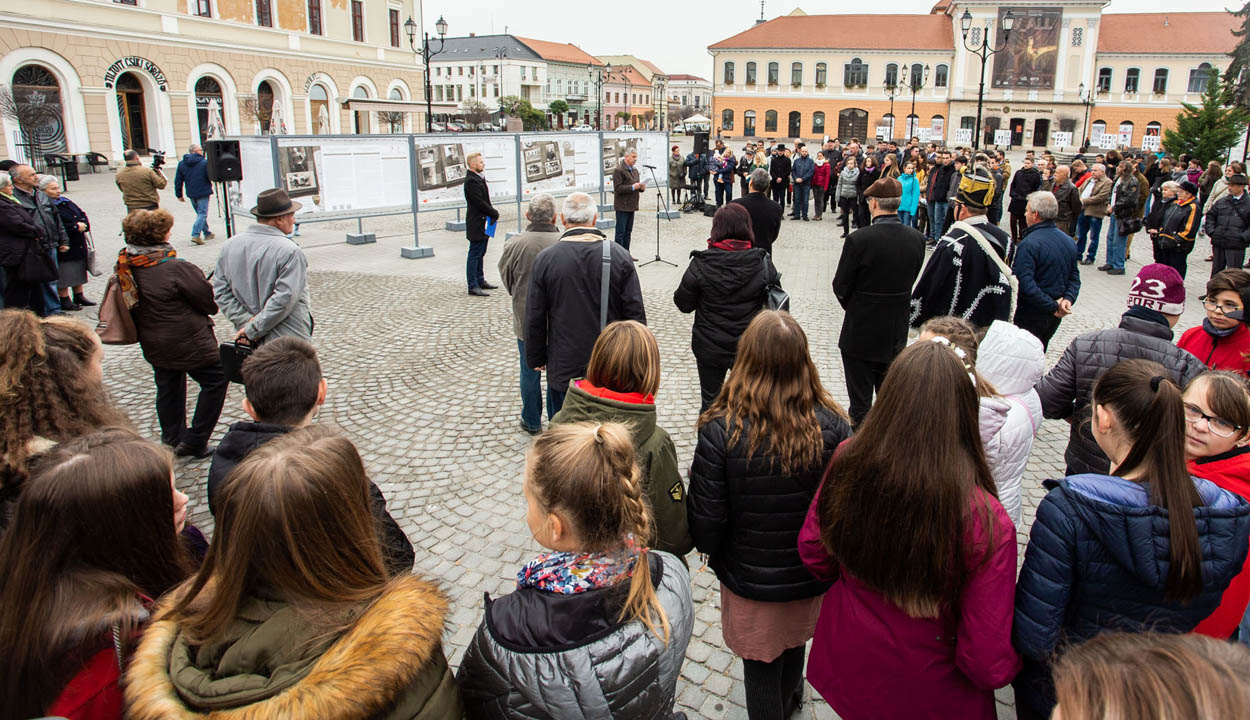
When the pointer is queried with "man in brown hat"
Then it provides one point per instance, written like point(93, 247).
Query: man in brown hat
point(261, 280)
point(873, 282)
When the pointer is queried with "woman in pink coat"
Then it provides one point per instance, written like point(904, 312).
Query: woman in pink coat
point(918, 622)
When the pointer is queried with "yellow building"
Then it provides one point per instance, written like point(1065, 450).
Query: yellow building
point(1065, 68)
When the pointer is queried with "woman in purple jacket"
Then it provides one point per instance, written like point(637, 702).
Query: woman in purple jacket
point(918, 621)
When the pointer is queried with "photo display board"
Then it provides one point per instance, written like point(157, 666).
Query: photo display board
point(653, 149)
point(345, 175)
point(443, 162)
point(560, 163)
point(256, 159)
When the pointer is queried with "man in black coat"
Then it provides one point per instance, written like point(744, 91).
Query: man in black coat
point(1027, 180)
point(1228, 224)
point(765, 214)
point(873, 283)
point(477, 197)
point(779, 168)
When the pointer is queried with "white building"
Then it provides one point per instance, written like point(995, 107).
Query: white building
point(690, 91)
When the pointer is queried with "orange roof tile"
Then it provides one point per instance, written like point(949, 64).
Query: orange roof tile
point(862, 32)
point(686, 77)
point(628, 75)
point(1202, 33)
point(651, 66)
point(560, 52)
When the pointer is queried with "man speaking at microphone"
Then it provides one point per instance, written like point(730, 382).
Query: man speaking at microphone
point(627, 188)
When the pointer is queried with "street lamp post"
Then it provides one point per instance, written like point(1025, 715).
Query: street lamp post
point(1087, 99)
point(411, 28)
point(597, 76)
point(892, 90)
point(983, 50)
point(915, 85)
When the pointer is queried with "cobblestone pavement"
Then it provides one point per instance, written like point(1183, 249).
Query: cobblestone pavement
point(424, 379)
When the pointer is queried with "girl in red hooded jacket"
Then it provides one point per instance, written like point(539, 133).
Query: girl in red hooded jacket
point(1222, 342)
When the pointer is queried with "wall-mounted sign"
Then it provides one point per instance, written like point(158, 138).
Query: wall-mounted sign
point(132, 63)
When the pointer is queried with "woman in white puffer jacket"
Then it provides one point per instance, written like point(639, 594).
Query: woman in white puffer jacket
point(1008, 362)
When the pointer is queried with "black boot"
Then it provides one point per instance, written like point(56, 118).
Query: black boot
point(68, 305)
point(82, 300)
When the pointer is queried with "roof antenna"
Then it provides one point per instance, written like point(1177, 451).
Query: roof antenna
point(761, 20)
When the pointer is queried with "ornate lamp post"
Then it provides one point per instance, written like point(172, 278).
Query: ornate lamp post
point(426, 53)
point(892, 90)
point(1087, 99)
point(915, 84)
point(983, 50)
point(597, 77)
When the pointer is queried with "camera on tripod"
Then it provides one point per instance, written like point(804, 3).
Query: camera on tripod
point(158, 159)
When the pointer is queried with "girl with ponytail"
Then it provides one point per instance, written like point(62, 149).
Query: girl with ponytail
point(1148, 547)
point(598, 625)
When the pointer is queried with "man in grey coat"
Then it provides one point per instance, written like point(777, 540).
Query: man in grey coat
point(261, 281)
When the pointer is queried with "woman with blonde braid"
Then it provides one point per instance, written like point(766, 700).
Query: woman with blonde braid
point(602, 619)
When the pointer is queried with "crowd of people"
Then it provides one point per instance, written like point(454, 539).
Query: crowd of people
point(899, 567)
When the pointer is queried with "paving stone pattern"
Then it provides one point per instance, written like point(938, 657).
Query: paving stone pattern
point(423, 379)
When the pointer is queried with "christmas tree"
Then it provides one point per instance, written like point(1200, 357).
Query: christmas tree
point(1208, 130)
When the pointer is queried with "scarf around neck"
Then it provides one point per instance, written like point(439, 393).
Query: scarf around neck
point(1213, 331)
point(133, 256)
point(569, 573)
point(731, 244)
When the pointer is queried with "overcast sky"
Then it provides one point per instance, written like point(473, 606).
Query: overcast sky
point(673, 34)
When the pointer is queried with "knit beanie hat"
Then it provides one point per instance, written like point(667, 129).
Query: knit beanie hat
point(1158, 287)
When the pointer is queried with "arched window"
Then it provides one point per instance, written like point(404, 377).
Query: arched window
point(132, 109)
point(822, 74)
point(796, 74)
point(852, 123)
point(1154, 128)
point(264, 105)
point(1198, 78)
point(360, 118)
point(1126, 128)
point(937, 128)
point(729, 74)
point(891, 75)
point(818, 124)
point(887, 121)
point(394, 120)
point(319, 104)
point(1161, 81)
point(1097, 129)
point(774, 72)
point(940, 76)
point(208, 95)
point(913, 125)
point(915, 76)
point(750, 73)
point(770, 121)
point(35, 86)
point(855, 74)
point(748, 123)
point(1131, 78)
point(727, 119)
point(795, 128)
point(1104, 80)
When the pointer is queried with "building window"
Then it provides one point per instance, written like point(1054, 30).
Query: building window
point(729, 73)
point(795, 128)
point(1104, 80)
point(394, 18)
point(1097, 129)
point(818, 123)
point(264, 13)
point(126, 2)
point(940, 76)
point(1126, 127)
point(1198, 78)
point(822, 74)
point(750, 73)
point(796, 74)
point(34, 85)
point(319, 104)
point(967, 122)
point(1161, 81)
point(1078, 36)
point(748, 123)
point(203, 8)
point(207, 92)
point(727, 119)
point(1130, 80)
point(855, 74)
point(891, 75)
point(887, 121)
point(937, 126)
point(358, 20)
point(774, 73)
point(770, 121)
point(314, 17)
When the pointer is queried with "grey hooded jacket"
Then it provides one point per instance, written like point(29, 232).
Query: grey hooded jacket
point(532, 656)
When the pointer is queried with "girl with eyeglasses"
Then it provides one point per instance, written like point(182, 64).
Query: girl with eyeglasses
point(1222, 342)
point(1217, 445)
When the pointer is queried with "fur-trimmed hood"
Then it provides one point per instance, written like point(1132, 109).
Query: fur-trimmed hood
point(389, 664)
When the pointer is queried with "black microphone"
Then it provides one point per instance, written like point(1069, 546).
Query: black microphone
point(649, 166)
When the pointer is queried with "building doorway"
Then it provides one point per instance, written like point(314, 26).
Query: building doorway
point(1041, 132)
point(748, 123)
point(852, 123)
point(133, 114)
point(1017, 132)
point(207, 90)
point(796, 124)
point(992, 124)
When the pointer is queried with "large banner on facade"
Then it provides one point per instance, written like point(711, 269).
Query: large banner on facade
point(1032, 50)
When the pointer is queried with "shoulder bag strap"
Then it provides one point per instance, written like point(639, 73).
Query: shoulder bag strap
point(606, 283)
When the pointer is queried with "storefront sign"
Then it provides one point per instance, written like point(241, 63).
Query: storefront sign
point(132, 63)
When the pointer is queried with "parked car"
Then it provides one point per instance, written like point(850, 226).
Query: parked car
point(625, 128)
point(438, 127)
point(679, 129)
point(455, 127)
point(485, 127)
point(583, 128)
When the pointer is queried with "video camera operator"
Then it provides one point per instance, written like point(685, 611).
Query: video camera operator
point(140, 185)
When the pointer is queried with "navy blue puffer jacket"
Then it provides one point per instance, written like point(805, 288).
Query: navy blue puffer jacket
point(1098, 559)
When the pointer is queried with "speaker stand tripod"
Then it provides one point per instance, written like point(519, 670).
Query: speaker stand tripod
point(659, 201)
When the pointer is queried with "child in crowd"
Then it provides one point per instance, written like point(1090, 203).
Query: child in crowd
point(294, 613)
point(1009, 420)
point(762, 447)
point(1217, 444)
point(921, 552)
point(620, 386)
point(93, 541)
point(598, 625)
point(285, 389)
point(1146, 548)
point(1222, 342)
point(1152, 676)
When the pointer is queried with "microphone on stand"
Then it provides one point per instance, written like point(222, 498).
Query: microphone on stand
point(649, 166)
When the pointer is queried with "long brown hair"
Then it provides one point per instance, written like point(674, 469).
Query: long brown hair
point(626, 359)
point(587, 472)
point(92, 532)
point(963, 335)
point(45, 388)
point(1153, 676)
point(773, 392)
point(293, 516)
point(896, 520)
point(1151, 413)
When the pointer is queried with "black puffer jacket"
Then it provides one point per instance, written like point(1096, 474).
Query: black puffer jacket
point(724, 289)
point(1228, 222)
point(1065, 391)
point(1026, 181)
point(747, 516)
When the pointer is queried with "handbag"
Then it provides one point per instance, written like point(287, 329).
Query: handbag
point(116, 326)
point(37, 266)
point(91, 260)
point(232, 356)
point(775, 297)
point(1130, 226)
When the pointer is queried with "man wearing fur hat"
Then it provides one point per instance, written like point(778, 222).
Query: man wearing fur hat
point(969, 274)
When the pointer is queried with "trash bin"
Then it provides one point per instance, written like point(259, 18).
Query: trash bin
point(69, 170)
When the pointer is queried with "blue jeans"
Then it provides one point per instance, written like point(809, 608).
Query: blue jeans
point(1116, 244)
point(201, 216)
point(51, 298)
point(555, 399)
point(801, 192)
point(937, 216)
point(624, 227)
point(531, 393)
point(908, 219)
point(1084, 225)
point(473, 267)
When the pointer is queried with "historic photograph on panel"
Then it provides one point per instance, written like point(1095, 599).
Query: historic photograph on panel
point(542, 160)
point(440, 166)
point(297, 166)
point(1029, 59)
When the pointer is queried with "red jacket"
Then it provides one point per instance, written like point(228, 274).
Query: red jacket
point(1226, 353)
point(1230, 471)
point(870, 659)
point(94, 693)
point(820, 178)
